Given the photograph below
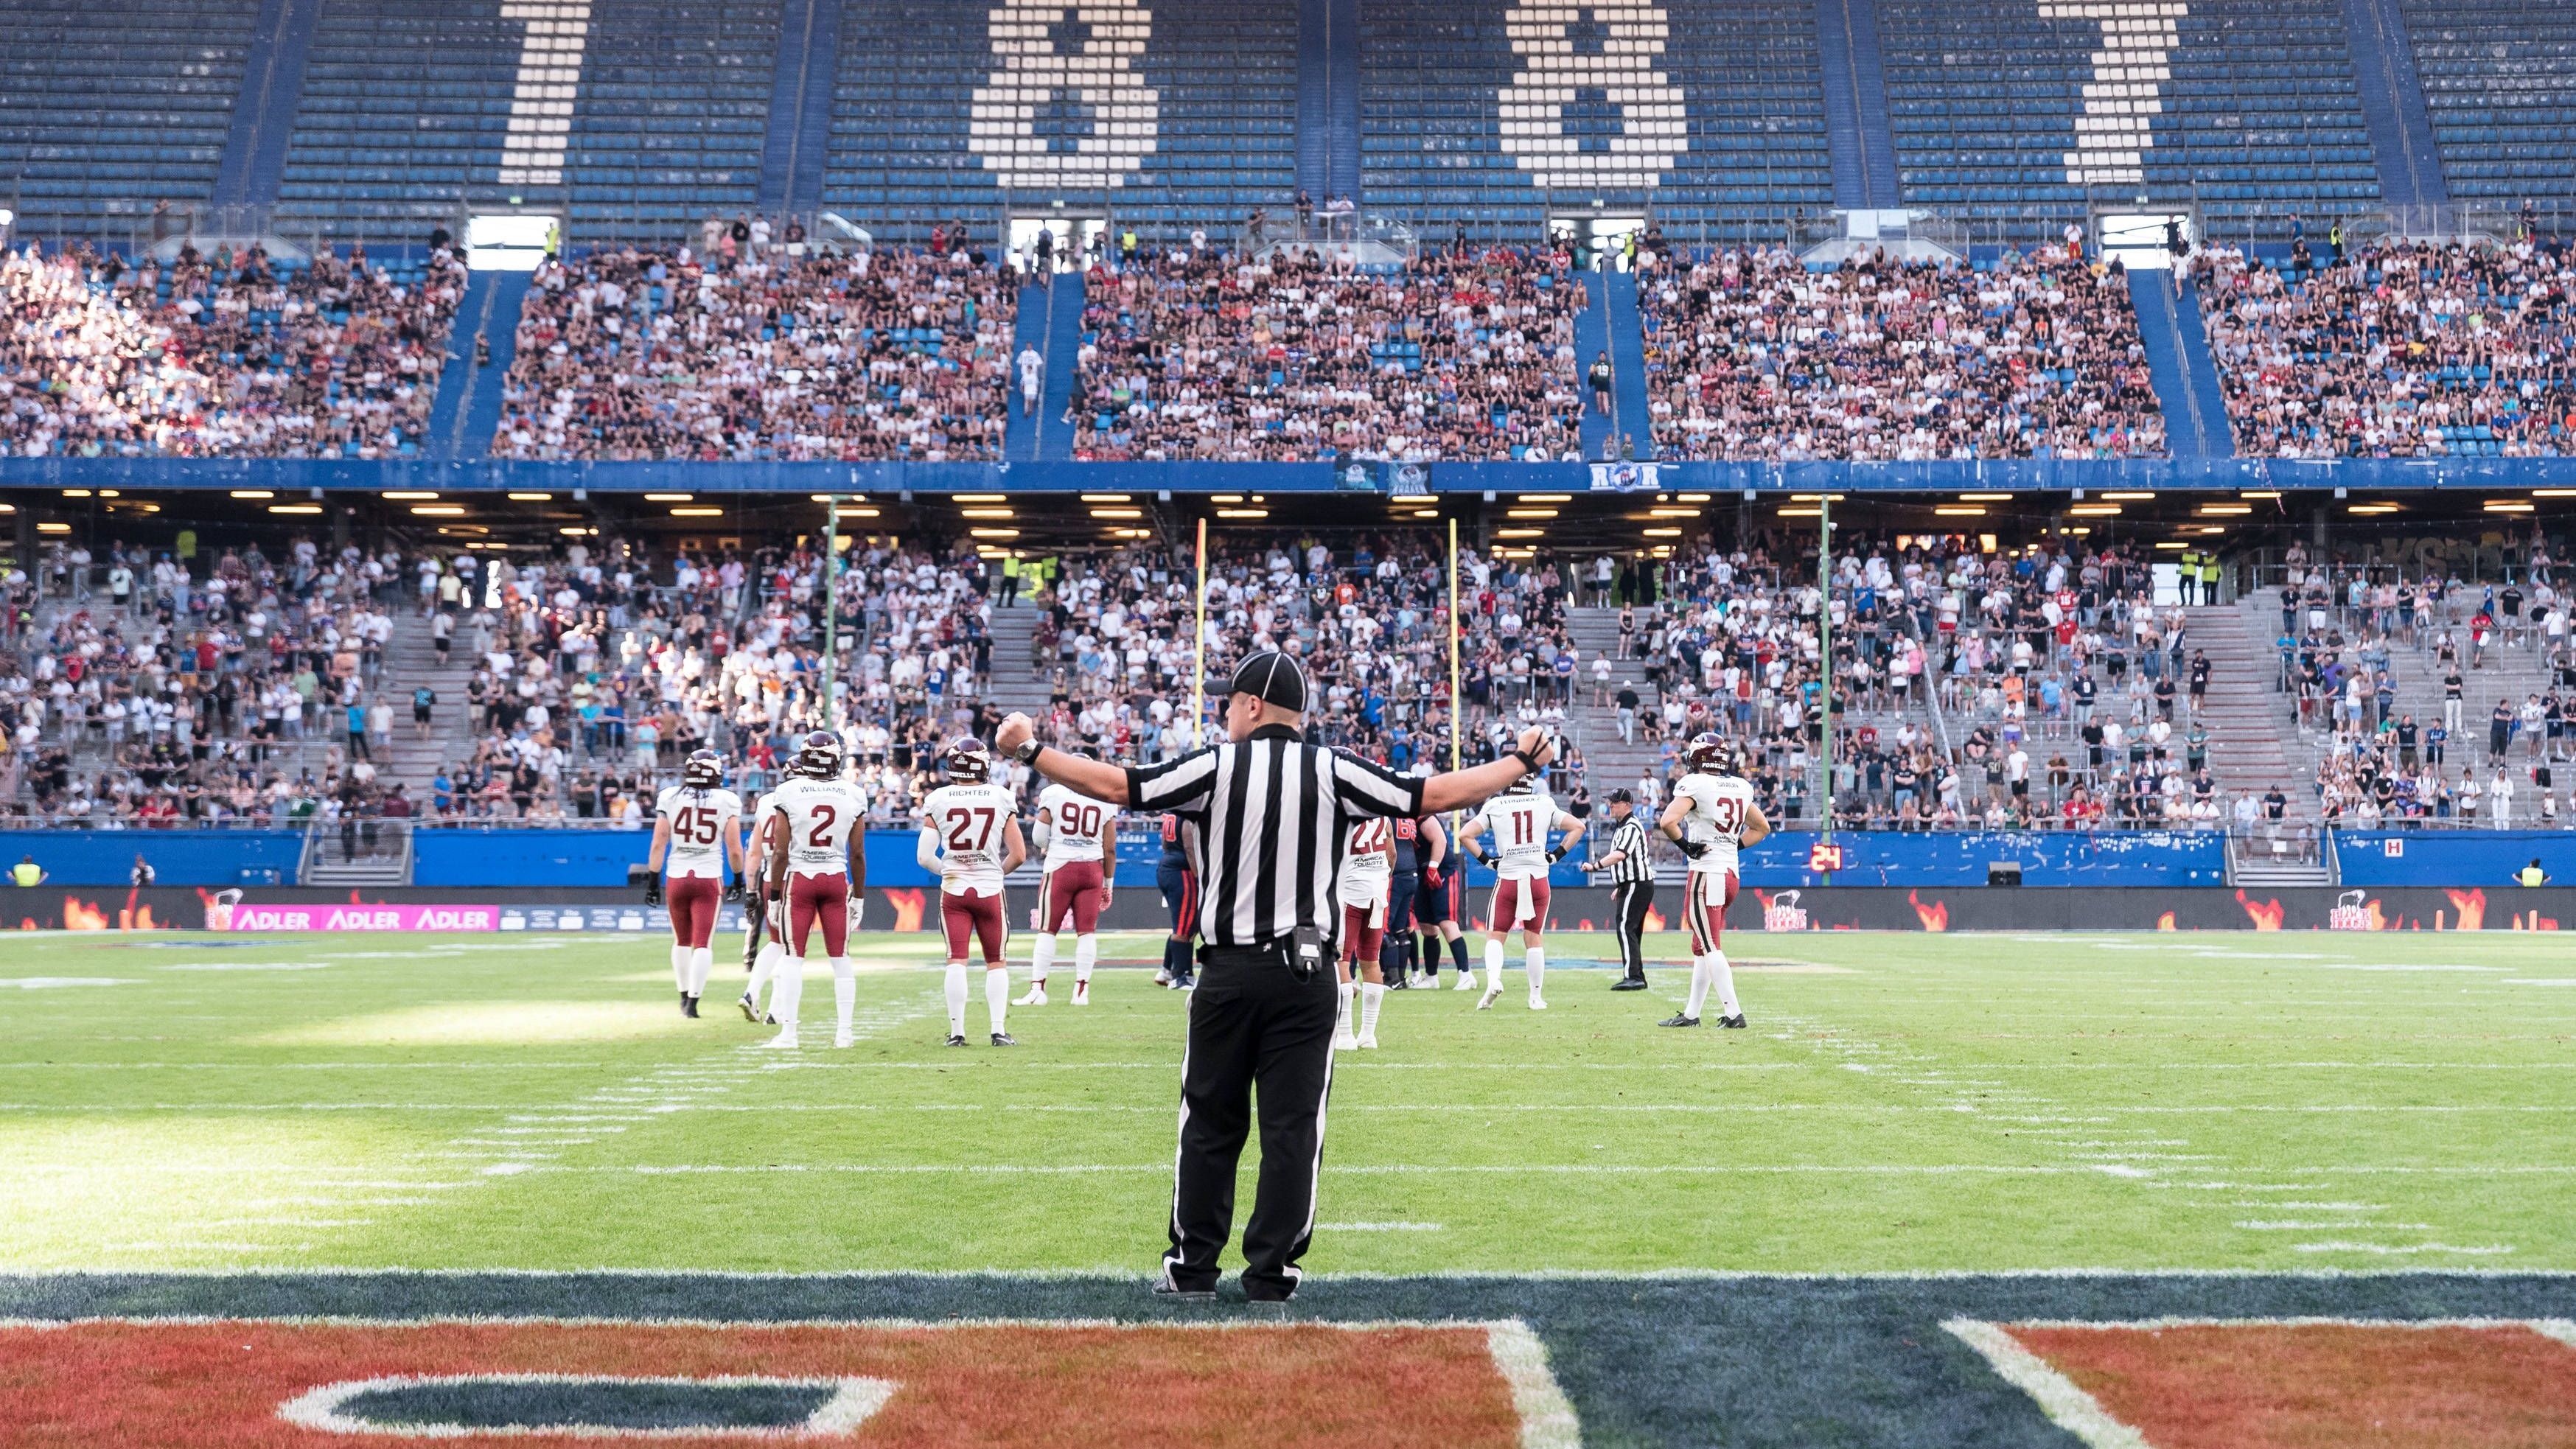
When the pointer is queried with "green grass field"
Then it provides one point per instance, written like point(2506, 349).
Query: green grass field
point(1902, 1103)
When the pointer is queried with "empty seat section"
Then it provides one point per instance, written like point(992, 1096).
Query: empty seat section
point(1164, 117)
point(405, 109)
point(673, 113)
point(107, 106)
point(2500, 81)
point(2246, 107)
point(1755, 95)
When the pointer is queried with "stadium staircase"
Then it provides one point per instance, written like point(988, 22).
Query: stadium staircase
point(1063, 349)
point(254, 156)
point(2252, 745)
point(1593, 333)
point(1328, 98)
point(1857, 135)
point(410, 661)
point(1628, 414)
point(1029, 329)
point(2392, 102)
point(1014, 688)
point(2186, 375)
point(800, 107)
point(467, 409)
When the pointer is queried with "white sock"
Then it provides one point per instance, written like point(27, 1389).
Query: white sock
point(956, 998)
point(1724, 975)
point(1041, 956)
point(1086, 954)
point(701, 962)
point(1342, 1009)
point(1536, 960)
point(1703, 976)
point(680, 968)
point(1493, 965)
point(764, 965)
point(1372, 996)
point(845, 989)
point(789, 990)
point(997, 994)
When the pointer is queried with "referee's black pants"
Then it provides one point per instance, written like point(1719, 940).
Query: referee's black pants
point(1631, 902)
point(1252, 1023)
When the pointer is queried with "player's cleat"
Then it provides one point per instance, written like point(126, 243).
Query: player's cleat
point(1034, 996)
point(1466, 981)
point(958, 1039)
point(1677, 1019)
point(785, 1041)
point(1368, 1041)
point(1345, 1042)
point(1537, 1002)
point(1004, 1038)
point(1736, 1021)
point(684, 1004)
point(769, 1018)
point(1627, 983)
point(688, 1006)
point(843, 1041)
point(1082, 993)
point(1397, 983)
point(1428, 981)
point(750, 1008)
point(1486, 1001)
point(1162, 975)
point(1185, 983)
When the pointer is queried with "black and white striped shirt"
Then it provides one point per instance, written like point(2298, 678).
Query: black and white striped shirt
point(1636, 862)
point(1266, 821)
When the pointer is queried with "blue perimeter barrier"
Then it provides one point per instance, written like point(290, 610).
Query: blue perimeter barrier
point(464, 858)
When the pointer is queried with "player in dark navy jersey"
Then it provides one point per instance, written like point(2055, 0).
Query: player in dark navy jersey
point(1180, 886)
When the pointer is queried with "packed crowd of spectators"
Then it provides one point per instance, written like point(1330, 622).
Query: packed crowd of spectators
point(222, 354)
point(1196, 353)
point(754, 352)
point(2404, 350)
point(1751, 355)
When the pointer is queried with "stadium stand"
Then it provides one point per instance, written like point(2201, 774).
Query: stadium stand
point(2499, 79)
point(1206, 355)
point(2244, 107)
point(1754, 356)
point(227, 355)
point(946, 110)
point(108, 108)
point(753, 353)
point(2399, 351)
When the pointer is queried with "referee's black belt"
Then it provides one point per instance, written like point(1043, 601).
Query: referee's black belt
point(1267, 951)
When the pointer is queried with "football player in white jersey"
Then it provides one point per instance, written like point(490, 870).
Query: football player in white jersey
point(970, 837)
point(1519, 820)
point(1364, 887)
point(1080, 838)
point(1712, 815)
point(813, 867)
point(697, 834)
point(764, 919)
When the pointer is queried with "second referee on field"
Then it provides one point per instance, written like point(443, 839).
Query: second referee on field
point(1267, 819)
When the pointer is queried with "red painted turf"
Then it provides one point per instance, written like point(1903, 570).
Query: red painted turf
point(218, 1385)
point(2324, 1386)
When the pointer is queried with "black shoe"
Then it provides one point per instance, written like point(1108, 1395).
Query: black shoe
point(688, 1006)
point(1628, 983)
point(1184, 983)
point(1003, 1038)
point(1398, 984)
point(958, 1039)
point(1268, 1295)
point(1736, 1021)
point(1677, 1019)
point(1164, 1287)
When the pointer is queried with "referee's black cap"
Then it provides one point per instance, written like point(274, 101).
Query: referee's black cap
point(1271, 677)
point(1620, 796)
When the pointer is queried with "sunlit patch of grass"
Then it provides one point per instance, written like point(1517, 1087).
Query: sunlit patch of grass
point(491, 1023)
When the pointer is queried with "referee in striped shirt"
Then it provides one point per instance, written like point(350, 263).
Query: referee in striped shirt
point(1266, 818)
point(1630, 864)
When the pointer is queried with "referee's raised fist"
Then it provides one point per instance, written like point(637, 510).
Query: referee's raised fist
point(1539, 744)
point(1014, 732)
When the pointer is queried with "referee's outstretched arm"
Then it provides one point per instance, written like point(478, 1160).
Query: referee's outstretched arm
point(1244, 713)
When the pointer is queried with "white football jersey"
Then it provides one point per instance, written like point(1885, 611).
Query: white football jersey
point(1719, 807)
point(1516, 834)
point(969, 820)
point(821, 816)
point(699, 820)
point(1076, 821)
point(1367, 871)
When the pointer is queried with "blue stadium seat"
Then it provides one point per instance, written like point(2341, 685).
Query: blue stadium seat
point(2499, 78)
